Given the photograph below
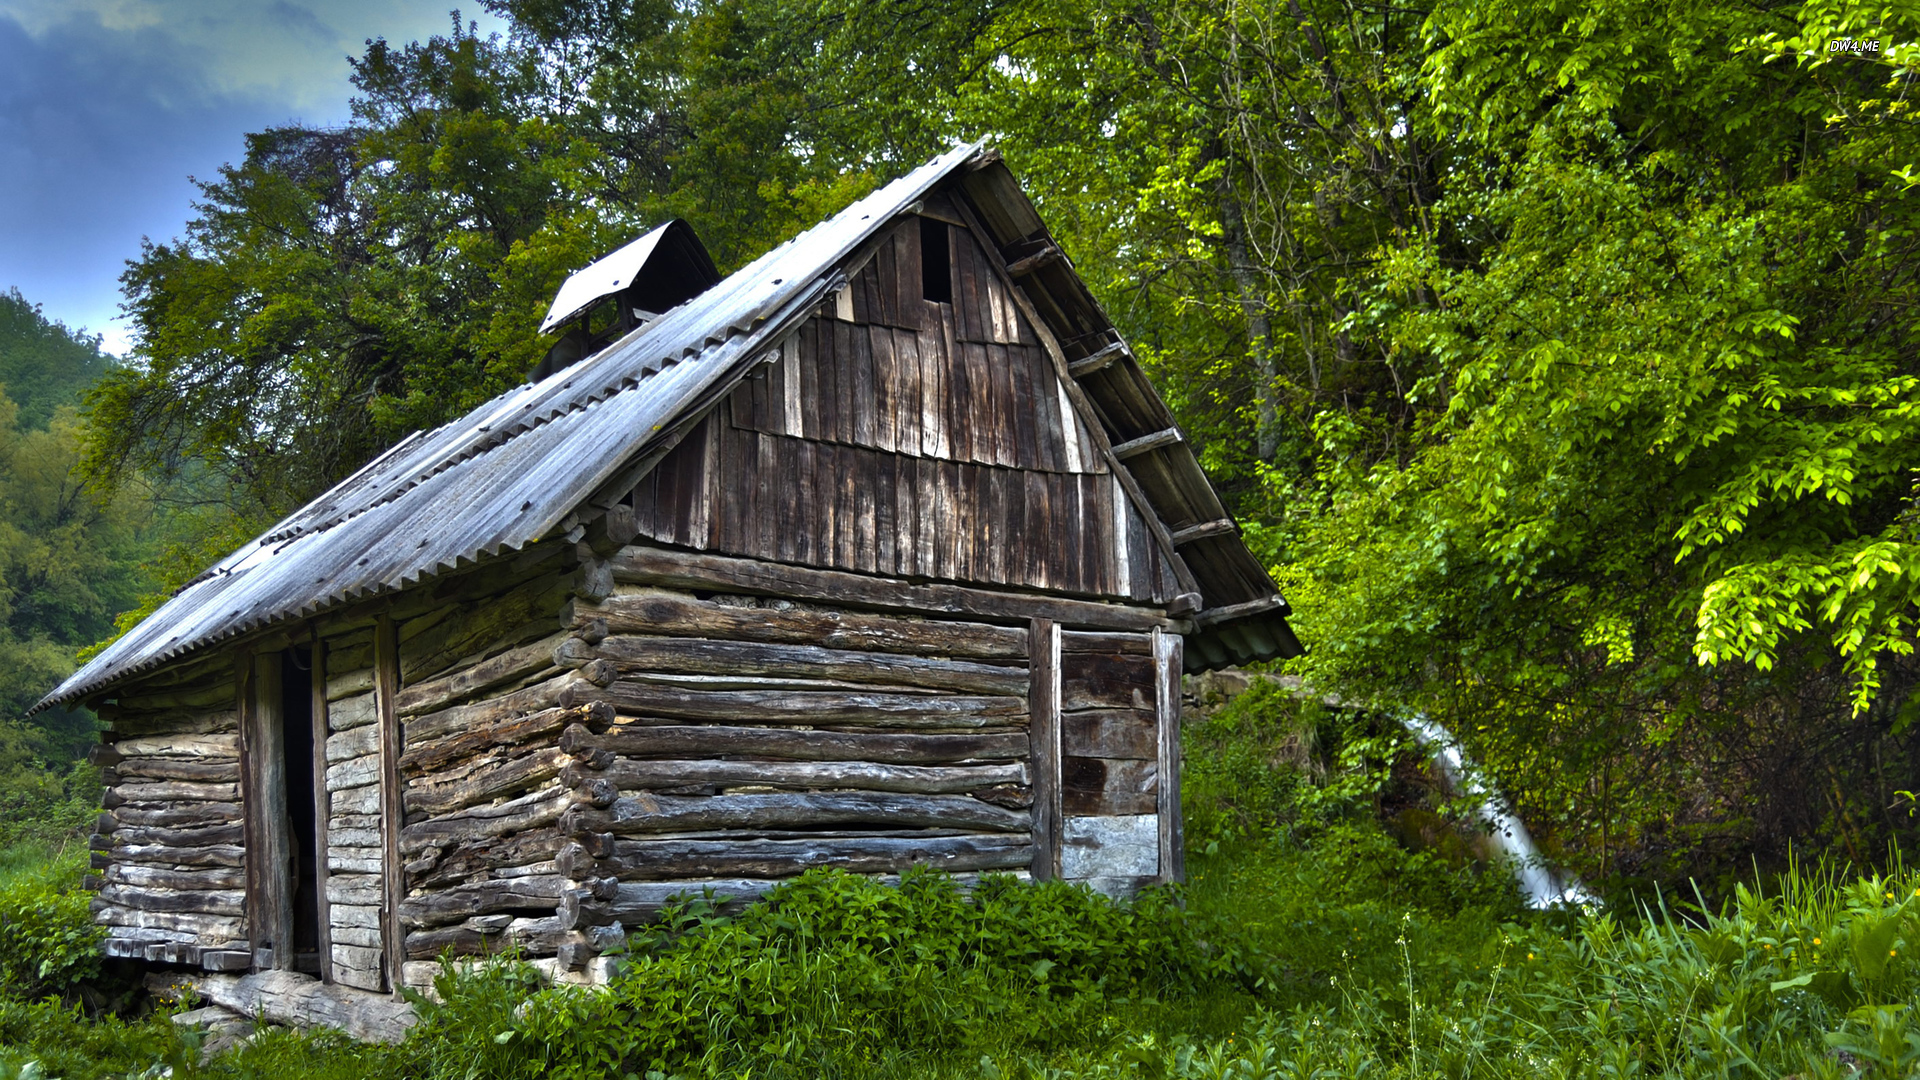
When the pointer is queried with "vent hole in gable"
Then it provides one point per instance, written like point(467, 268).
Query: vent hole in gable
point(936, 261)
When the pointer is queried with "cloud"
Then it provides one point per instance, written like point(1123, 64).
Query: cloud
point(107, 107)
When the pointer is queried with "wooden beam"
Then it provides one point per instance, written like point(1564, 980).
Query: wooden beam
point(699, 570)
point(386, 688)
point(283, 997)
point(1167, 669)
point(1216, 527)
point(1043, 664)
point(269, 896)
point(1086, 366)
point(1154, 441)
point(1215, 616)
point(322, 806)
point(1045, 257)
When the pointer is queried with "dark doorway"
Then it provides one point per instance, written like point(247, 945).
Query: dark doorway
point(936, 261)
point(297, 744)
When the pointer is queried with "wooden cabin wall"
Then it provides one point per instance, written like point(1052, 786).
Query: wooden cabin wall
point(168, 846)
point(353, 832)
point(485, 689)
point(902, 436)
point(751, 738)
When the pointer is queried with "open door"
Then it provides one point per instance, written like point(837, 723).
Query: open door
point(285, 844)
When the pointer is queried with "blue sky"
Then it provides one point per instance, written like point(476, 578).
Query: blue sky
point(108, 106)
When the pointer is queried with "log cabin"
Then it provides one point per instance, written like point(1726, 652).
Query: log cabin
point(880, 552)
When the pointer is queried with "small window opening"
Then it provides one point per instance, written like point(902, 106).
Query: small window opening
point(936, 262)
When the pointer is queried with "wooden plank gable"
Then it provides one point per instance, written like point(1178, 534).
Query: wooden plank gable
point(904, 436)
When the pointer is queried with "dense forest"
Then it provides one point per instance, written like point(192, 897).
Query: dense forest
point(1555, 359)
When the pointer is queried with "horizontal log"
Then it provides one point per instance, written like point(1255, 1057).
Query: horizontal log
point(1106, 681)
point(506, 778)
point(1078, 641)
point(1110, 733)
point(347, 891)
point(284, 997)
point(1100, 787)
point(529, 811)
point(187, 697)
point(627, 775)
point(353, 712)
point(355, 679)
point(1087, 365)
point(1143, 444)
point(644, 741)
point(167, 855)
point(356, 800)
point(134, 723)
point(653, 860)
point(176, 769)
point(184, 816)
point(490, 855)
point(223, 746)
point(744, 659)
point(424, 756)
point(699, 570)
point(482, 898)
point(352, 743)
point(510, 666)
point(353, 916)
point(166, 791)
point(201, 926)
point(204, 901)
point(135, 874)
point(363, 937)
point(354, 772)
point(562, 691)
point(197, 837)
point(355, 861)
point(367, 838)
point(640, 814)
point(686, 617)
point(787, 707)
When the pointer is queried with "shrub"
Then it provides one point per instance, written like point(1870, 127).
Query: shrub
point(49, 943)
point(834, 973)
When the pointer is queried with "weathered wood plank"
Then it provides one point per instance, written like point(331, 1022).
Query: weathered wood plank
point(700, 570)
point(653, 860)
point(1045, 745)
point(1100, 786)
point(558, 692)
point(422, 757)
point(637, 815)
point(628, 775)
point(482, 898)
point(170, 791)
point(1173, 842)
point(1111, 733)
point(529, 811)
point(223, 834)
point(1107, 681)
point(183, 816)
point(158, 877)
point(795, 707)
point(693, 656)
point(386, 692)
point(169, 855)
point(217, 746)
point(509, 777)
point(206, 928)
point(686, 617)
point(509, 666)
point(203, 901)
point(156, 768)
point(641, 741)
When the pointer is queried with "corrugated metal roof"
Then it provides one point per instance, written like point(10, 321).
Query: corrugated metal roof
point(510, 472)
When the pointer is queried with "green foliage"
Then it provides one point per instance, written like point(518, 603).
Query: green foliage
point(49, 943)
point(838, 973)
point(43, 364)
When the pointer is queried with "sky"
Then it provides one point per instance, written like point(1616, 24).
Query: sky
point(108, 107)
